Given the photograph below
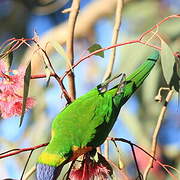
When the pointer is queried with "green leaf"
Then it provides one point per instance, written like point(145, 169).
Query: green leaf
point(167, 61)
point(136, 57)
point(96, 47)
point(175, 80)
point(27, 78)
point(178, 65)
point(61, 52)
point(48, 75)
point(7, 57)
point(59, 49)
point(10, 59)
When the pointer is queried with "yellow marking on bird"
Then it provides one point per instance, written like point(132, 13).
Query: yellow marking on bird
point(78, 151)
point(51, 159)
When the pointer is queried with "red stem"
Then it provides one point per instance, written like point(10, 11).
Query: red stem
point(139, 40)
point(158, 24)
point(38, 76)
point(22, 150)
point(107, 48)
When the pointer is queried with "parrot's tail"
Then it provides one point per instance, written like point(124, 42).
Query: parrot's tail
point(46, 172)
point(143, 71)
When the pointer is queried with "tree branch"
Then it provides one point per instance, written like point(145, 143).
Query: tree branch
point(17, 151)
point(156, 132)
point(114, 39)
point(69, 46)
point(29, 173)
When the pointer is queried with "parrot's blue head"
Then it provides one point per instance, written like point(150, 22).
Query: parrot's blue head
point(46, 172)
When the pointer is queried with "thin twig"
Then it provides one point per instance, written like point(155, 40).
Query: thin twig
point(69, 170)
point(121, 172)
point(99, 150)
point(156, 132)
point(29, 173)
point(158, 24)
point(10, 153)
point(108, 72)
point(133, 152)
point(49, 64)
point(114, 39)
point(107, 48)
point(69, 46)
point(140, 176)
point(24, 169)
point(129, 142)
point(106, 149)
point(164, 166)
point(12, 45)
point(38, 76)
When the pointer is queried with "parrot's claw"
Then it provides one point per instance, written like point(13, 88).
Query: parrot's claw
point(121, 84)
point(103, 86)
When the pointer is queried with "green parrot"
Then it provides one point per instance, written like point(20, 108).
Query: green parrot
point(85, 123)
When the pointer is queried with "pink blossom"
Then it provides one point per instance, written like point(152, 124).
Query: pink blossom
point(90, 169)
point(11, 84)
point(11, 80)
point(2, 66)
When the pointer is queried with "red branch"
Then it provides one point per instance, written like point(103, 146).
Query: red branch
point(164, 166)
point(66, 95)
point(93, 53)
point(139, 40)
point(17, 151)
point(107, 48)
point(39, 76)
point(158, 24)
point(12, 45)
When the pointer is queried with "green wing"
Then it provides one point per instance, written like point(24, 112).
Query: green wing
point(76, 125)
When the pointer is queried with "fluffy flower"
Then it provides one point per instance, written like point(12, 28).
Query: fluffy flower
point(90, 169)
point(11, 84)
point(12, 80)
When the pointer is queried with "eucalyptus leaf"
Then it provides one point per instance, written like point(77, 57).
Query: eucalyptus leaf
point(129, 61)
point(167, 61)
point(59, 49)
point(27, 78)
point(96, 47)
point(6, 56)
point(178, 66)
point(175, 80)
point(48, 75)
point(10, 59)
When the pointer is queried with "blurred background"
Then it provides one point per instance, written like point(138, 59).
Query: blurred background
point(136, 122)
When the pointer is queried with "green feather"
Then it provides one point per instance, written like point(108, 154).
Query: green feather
point(88, 120)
